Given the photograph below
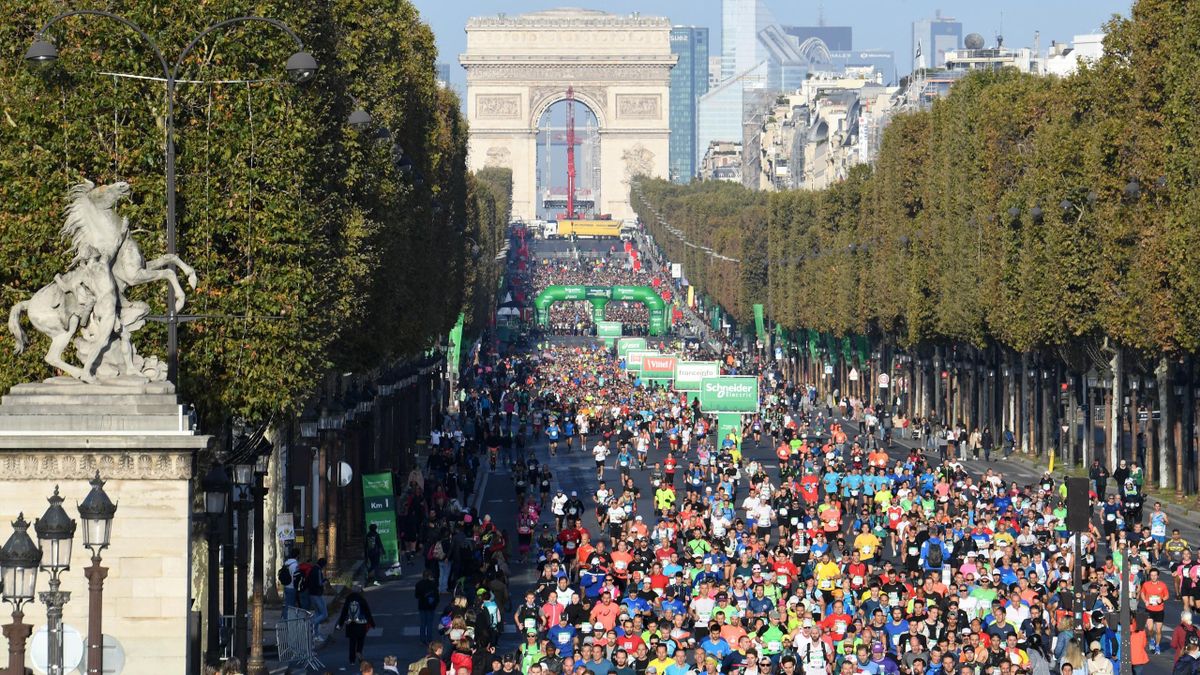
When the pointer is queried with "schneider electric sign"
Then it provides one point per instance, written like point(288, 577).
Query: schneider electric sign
point(729, 394)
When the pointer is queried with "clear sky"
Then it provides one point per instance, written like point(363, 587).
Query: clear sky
point(878, 24)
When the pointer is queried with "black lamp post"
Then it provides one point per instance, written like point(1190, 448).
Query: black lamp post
point(19, 560)
point(256, 665)
point(300, 66)
point(55, 533)
point(97, 512)
point(243, 481)
point(216, 488)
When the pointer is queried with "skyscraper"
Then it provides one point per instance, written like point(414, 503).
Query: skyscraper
point(741, 22)
point(689, 81)
point(931, 38)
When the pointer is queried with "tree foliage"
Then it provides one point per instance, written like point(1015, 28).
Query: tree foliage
point(1000, 215)
point(312, 246)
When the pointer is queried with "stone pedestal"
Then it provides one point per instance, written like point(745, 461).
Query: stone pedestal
point(136, 434)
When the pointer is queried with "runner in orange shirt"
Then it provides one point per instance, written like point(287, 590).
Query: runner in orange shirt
point(1154, 593)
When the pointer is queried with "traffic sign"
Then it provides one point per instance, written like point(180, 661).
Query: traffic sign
point(853, 376)
point(883, 380)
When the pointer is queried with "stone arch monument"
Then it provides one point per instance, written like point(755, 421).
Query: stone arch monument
point(619, 66)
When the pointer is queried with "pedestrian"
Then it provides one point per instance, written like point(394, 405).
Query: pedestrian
point(427, 595)
point(373, 547)
point(287, 576)
point(317, 585)
point(357, 619)
point(391, 665)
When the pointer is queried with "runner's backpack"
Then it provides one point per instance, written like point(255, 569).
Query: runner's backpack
point(935, 554)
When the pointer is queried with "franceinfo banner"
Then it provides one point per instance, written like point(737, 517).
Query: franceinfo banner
point(729, 394)
point(688, 374)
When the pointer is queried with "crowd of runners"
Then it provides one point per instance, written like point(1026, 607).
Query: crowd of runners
point(802, 545)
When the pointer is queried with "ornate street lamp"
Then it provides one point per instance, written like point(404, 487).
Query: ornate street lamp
point(19, 560)
point(216, 488)
point(55, 533)
point(243, 480)
point(256, 664)
point(97, 512)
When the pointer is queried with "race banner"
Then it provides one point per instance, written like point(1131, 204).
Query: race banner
point(608, 331)
point(379, 509)
point(628, 344)
point(760, 329)
point(688, 374)
point(633, 360)
point(729, 424)
point(729, 394)
point(454, 344)
point(659, 367)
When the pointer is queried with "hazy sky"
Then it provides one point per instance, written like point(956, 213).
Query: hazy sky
point(878, 24)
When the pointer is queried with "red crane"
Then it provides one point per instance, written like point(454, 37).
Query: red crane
point(570, 153)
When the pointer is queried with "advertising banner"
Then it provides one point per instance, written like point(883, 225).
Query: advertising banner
point(659, 367)
point(688, 374)
point(633, 361)
point(729, 424)
point(760, 329)
point(628, 344)
point(454, 344)
point(379, 509)
point(729, 394)
point(608, 331)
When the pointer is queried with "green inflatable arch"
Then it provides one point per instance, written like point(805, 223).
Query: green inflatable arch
point(600, 296)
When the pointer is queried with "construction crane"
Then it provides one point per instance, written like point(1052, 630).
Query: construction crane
point(570, 214)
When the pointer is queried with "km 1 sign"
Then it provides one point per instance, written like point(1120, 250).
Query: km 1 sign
point(729, 394)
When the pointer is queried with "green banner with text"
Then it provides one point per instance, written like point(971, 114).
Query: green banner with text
point(608, 331)
point(379, 509)
point(729, 424)
point(759, 328)
point(729, 394)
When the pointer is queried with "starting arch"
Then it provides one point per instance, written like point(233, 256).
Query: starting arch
point(600, 296)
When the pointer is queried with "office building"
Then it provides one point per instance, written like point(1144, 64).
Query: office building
point(836, 38)
point(741, 23)
point(689, 81)
point(931, 39)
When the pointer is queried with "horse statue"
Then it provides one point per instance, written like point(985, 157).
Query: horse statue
point(88, 303)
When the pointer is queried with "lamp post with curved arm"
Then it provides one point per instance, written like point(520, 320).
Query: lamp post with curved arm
point(301, 66)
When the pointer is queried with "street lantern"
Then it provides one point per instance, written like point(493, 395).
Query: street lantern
point(216, 488)
point(19, 560)
point(301, 66)
point(243, 474)
point(41, 52)
point(55, 533)
point(97, 512)
point(359, 119)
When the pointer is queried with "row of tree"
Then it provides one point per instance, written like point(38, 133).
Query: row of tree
point(1020, 214)
point(317, 245)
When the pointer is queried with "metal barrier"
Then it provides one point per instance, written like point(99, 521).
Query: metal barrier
point(294, 637)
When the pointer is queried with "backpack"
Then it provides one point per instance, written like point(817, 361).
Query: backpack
point(285, 576)
point(934, 558)
point(314, 581)
point(416, 667)
point(354, 613)
point(300, 581)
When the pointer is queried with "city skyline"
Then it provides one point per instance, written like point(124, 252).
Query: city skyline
point(877, 24)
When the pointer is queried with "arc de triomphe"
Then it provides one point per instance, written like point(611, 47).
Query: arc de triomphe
point(619, 66)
